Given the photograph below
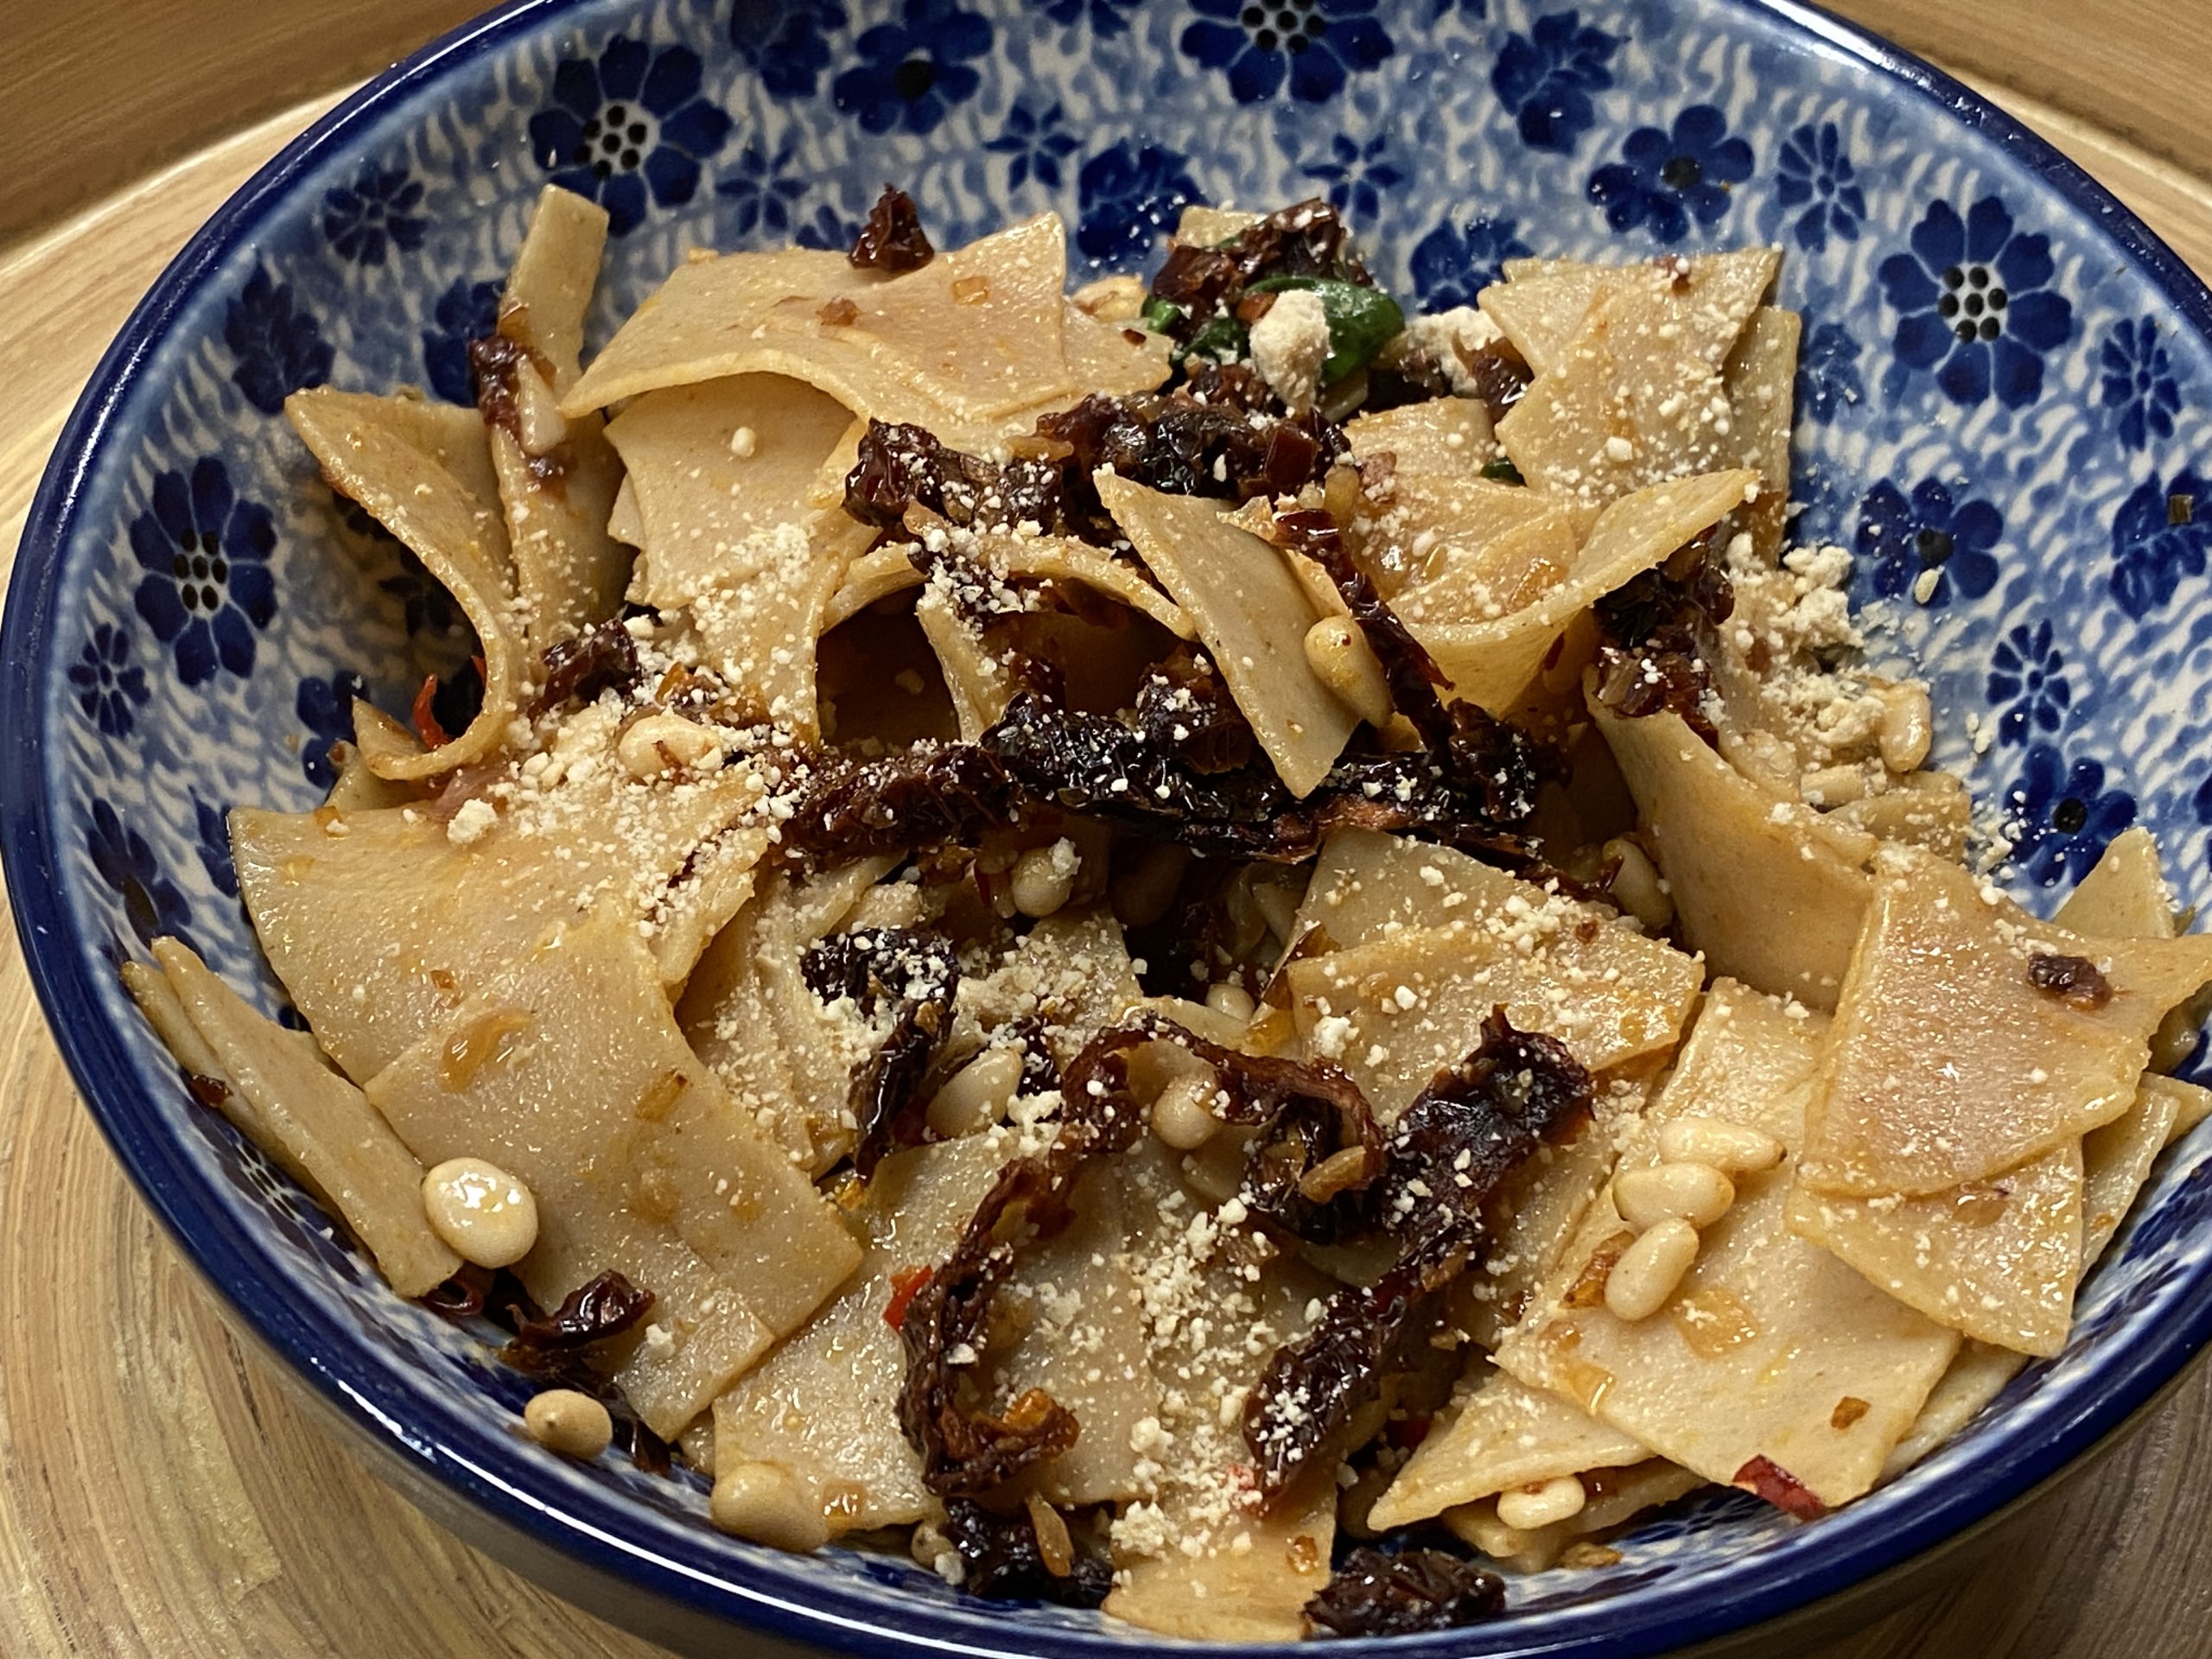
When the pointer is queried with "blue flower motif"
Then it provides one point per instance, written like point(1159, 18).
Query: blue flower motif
point(1454, 262)
point(1665, 179)
point(1359, 175)
point(1547, 77)
point(826, 229)
point(1899, 539)
point(762, 194)
point(630, 123)
point(279, 349)
point(781, 40)
point(326, 709)
point(152, 902)
point(2138, 382)
point(1034, 144)
point(465, 312)
point(1813, 171)
point(1975, 305)
point(107, 683)
point(2158, 536)
point(1316, 43)
point(2024, 677)
point(378, 207)
point(914, 71)
point(207, 586)
point(2059, 817)
point(1130, 195)
point(214, 847)
point(1107, 18)
point(1827, 371)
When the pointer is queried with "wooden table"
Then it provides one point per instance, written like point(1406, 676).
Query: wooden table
point(161, 1495)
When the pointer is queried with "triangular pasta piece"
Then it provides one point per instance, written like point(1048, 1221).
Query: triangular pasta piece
point(1820, 1372)
point(1612, 1497)
point(1394, 1011)
point(1949, 1063)
point(573, 1077)
point(1253, 615)
point(315, 1122)
point(1464, 549)
point(979, 679)
point(1492, 663)
point(1448, 436)
point(1637, 397)
point(1977, 1377)
point(1103, 357)
point(1540, 314)
point(1768, 890)
point(2116, 1161)
point(1760, 379)
point(424, 471)
point(1497, 1433)
point(558, 478)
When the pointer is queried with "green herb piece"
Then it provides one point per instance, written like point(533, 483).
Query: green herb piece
point(1362, 320)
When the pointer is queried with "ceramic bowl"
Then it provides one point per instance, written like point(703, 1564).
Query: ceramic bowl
point(2004, 382)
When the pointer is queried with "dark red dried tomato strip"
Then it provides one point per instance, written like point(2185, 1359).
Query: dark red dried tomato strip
point(1411, 672)
point(606, 1306)
point(917, 972)
point(603, 657)
point(1405, 1594)
point(893, 238)
point(2074, 980)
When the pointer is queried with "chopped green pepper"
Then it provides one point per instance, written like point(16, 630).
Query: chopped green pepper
point(1161, 315)
point(1224, 339)
point(1362, 320)
point(1503, 471)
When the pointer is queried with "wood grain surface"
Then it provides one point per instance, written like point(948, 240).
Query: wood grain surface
point(164, 1496)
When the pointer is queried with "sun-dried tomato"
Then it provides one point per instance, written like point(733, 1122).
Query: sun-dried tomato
point(1003, 1559)
point(1411, 672)
point(606, 1305)
point(893, 238)
point(2074, 980)
point(602, 658)
point(899, 467)
point(933, 796)
point(915, 974)
point(1184, 708)
point(1473, 1125)
point(1375, 1593)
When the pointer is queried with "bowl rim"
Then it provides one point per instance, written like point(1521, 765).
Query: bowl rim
point(475, 1459)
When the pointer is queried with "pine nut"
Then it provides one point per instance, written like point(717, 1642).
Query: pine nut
point(665, 743)
point(1232, 1000)
point(1142, 888)
point(977, 1095)
point(573, 1424)
point(484, 1215)
point(1908, 727)
point(1635, 883)
point(1545, 1503)
point(1648, 1270)
point(1043, 878)
point(1733, 1148)
point(1698, 1193)
point(1182, 1114)
point(762, 1502)
point(1342, 660)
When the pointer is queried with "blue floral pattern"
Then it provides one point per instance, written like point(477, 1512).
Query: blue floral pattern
point(2060, 817)
point(466, 311)
point(379, 208)
point(1034, 142)
point(783, 41)
point(912, 72)
point(1455, 261)
point(1975, 305)
point(1548, 77)
point(762, 193)
point(208, 588)
point(326, 709)
point(1814, 177)
point(1901, 538)
point(1108, 17)
point(109, 685)
point(2138, 381)
point(1317, 44)
point(1359, 175)
point(629, 126)
point(2159, 536)
point(1827, 371)
point(213, 846)
point(1131, 193)
point(279, 348)
point(1665, 181)
point(152, 904)
point(2026, 682)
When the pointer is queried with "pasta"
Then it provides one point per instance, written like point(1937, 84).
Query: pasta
point(1131, 941)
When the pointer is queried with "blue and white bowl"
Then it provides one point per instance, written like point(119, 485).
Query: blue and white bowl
point(191, 610)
